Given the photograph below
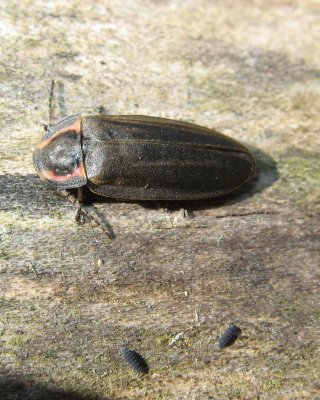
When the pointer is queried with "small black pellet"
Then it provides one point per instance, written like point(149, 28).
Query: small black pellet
point(135, 360)
point(229, 336)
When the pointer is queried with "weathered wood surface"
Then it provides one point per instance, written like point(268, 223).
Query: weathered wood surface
point(70, 297)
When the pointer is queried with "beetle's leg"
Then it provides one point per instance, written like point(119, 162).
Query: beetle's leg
point(170, 206)
point(184, 213)
point(74, 200)
point(82, 212)
point(104, 225)
point(102, 110)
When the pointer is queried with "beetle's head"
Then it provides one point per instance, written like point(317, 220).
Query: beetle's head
point(58, 157)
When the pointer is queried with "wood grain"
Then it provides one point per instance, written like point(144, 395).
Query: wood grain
point(70, 298)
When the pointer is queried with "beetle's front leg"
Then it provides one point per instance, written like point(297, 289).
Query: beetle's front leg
point(77, 201)
point(80, 215)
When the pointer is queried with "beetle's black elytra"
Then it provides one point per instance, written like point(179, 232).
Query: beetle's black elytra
point(135, 360)
point(229, 336)
point(141, 158)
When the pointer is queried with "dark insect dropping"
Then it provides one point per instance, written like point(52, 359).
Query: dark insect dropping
point(229, 336)
point(135, 360)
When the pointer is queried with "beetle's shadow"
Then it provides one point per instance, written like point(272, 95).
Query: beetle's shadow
point(265, 176)
point(19, 387)
point(26, 194)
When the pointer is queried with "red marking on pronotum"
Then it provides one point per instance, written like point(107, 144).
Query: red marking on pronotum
point(75, 127)
point(79, 172)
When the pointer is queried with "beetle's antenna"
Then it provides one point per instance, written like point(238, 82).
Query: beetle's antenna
point(61, 100)
point(57, 107)
point(51, 112)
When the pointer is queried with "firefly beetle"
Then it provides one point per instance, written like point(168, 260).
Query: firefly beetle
point(132, 157)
